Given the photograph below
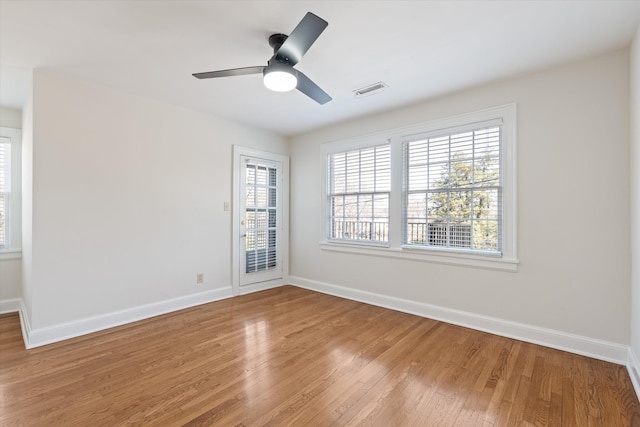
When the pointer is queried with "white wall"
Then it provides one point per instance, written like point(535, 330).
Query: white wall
point(635, 196)
point(10, 118)
point(127, 200)
point(10, 278)
point(573, 206)
point(10, 269)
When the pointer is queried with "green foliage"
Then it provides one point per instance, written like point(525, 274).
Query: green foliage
point(467, 202)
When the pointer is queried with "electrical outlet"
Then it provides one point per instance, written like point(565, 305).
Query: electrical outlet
point(199, 279)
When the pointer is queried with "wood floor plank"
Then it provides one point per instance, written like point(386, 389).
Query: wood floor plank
point(289, 356)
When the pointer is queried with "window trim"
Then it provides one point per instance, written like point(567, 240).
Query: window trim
point(508, 261)
point(14, 231)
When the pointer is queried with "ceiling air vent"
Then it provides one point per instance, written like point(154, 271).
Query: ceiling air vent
point(370, 90)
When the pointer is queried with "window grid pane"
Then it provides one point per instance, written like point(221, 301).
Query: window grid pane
point(359, 186)
point(453, 191)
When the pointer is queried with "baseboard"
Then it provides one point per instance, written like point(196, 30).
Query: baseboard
point(42, 336)
point(604, 350)
point(10, 305)
point(17, 305)
point(634, 371)
point(25, 325)
point(598, 349)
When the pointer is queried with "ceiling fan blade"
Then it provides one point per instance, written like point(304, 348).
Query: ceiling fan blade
point(231, 72)
point(312, 90)
point(301, 39)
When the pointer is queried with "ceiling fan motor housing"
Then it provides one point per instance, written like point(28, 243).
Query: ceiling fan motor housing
point(276, 41)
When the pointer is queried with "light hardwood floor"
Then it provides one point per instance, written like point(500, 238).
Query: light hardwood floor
point(289, 356)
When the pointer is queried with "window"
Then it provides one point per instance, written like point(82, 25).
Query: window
point(5, 189)
point(359, 188)
point(441, 191)
point(453, 189)
point(261, 208)
point(10, 197)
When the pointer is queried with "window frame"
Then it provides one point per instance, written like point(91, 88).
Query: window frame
point(506, 261)
point(14, 212)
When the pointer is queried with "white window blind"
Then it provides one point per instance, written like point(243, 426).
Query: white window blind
point(358, 199)
point(261, 205)
point(453, 189)
point(5, 189)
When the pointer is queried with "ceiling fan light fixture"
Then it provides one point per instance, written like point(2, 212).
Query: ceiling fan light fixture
point(280, 78)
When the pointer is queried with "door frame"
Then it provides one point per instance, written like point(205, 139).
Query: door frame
point(238, 152)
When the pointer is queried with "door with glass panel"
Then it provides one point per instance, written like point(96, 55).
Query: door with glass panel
point(260, 220)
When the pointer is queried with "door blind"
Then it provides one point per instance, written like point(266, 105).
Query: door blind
point(261, 217)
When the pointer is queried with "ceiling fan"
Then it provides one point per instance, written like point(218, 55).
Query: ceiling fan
point(279, 74)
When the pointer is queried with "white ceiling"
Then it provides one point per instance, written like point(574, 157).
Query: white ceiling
point(420, 49)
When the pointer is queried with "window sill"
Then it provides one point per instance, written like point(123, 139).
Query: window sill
point(424, 255)
point(8, 254)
